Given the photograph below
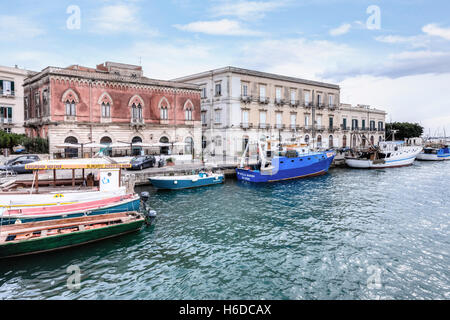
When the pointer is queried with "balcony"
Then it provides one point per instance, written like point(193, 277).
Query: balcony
point(264, 126)
point(344, 127)
point(355, 128)
point(246, 125)
point(294, 103)
point(279, 102)
point(332, 129)
point(320, 106)
point(308, 128)
point(319, 128)
point(246, 99)
point(7, 93)
point(381, 130)
point(189, 123)
point(263, 100)
point(364, 129)
point(295, 127)
point(332, 107)
point(5, 120)
point(308, 105)
point(280, 126)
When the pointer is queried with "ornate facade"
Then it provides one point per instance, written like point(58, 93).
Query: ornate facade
point(109, 104)
point(239, 105)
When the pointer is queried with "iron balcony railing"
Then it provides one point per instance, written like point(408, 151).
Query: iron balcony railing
point(308, 104)
point(246, 99)
point(280, 126)
point(332, 106)
point(294, 103)
point(345, 128)
point(320, 106)
point(264, 126)
point(279, 102)
point(246, 125)
point(263, 100)
point(7, 93)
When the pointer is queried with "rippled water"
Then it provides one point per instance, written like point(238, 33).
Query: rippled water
point(352, 234)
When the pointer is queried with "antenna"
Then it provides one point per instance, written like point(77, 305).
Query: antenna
point(393, 134)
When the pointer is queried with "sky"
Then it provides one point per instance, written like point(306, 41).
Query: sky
point(393, 55)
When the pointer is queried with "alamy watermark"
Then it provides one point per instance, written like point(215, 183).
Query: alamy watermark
point(374, 20)
point(74, 279)
point(73, 22)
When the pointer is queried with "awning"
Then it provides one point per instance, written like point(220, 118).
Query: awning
point(69, 164)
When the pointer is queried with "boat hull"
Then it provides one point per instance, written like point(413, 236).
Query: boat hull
point(63, 241)
point(177, 183)
point(368, 164)
point(313, 168)
point(54, 199)
point(430, 157)
point(100, 207)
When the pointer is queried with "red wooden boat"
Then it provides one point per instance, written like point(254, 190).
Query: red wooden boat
point(123, 203)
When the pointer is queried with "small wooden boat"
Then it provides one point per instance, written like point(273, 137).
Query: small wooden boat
point(124, 203)
point(109, 182)
point(188, 181)
point(37, 237)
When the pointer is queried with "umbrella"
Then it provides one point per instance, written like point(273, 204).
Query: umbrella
point(160, 144)
point(117, 145)
point(142, 145)
point(67, 145)
point(94, 145)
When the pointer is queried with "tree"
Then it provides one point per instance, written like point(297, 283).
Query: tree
point(406, 130)
point(33, 145)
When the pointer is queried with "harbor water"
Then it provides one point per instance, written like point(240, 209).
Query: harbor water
point(350, 234)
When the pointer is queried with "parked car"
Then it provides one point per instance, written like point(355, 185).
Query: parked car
point(142, 162)
point(18, 164)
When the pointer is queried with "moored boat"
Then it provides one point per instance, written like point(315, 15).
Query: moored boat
point(38, 237)
point(187, 181)
point(130, 202)
point(293, 163)
point(386, 155)
point(435, 153)
point(109, 184)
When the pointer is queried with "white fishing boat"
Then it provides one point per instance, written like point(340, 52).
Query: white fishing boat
point(109, 184)
point(386, 155)
point(435, 152)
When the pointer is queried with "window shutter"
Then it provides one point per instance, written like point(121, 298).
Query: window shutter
point(12, 86)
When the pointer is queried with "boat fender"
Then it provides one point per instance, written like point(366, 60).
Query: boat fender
point(18, 221)
point(145, 196)
point(175, 182)
point(150, 216)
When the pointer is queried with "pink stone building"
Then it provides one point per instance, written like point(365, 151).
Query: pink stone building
point(112, 103)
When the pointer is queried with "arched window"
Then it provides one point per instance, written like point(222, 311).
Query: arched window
point(165, 149)
point(188, 107)
point(189, 145)
point(136, 150)
point(71, 109)
point(344, 141)
point(106, 141)
point(380, 138)
point(330, 142)
point(188, 114)
point(70, 99)
point(106, 110)
point(136, 111)
point(71, 152)
point(164, 113)
point(164, 107)
point(372, 140)
point(319, 141)
point(307, 139)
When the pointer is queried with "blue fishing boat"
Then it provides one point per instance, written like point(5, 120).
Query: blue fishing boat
point(289, 164)
point(435, 153)
point(188, 181)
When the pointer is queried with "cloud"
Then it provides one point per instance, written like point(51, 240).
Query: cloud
point(435, 30)
point(222, 27)
point(18, 27)
point(121, 18)
point(246, 10)
point(342, 29)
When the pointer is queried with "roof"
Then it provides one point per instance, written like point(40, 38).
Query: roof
point(99, 74)
point(68, 164)
point(257, 74)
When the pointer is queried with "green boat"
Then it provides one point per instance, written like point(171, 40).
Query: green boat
point(44, 236)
